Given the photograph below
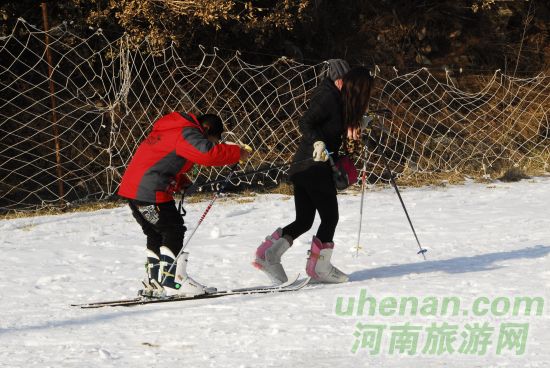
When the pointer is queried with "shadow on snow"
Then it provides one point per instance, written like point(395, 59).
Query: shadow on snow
point(477, 263)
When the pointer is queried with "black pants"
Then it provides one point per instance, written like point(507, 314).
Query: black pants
point(310, 197)
point(161, 223)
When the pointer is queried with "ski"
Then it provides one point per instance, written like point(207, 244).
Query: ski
point(297, 284)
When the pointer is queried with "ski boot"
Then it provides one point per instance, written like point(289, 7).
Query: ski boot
point(175, 280)
point(268, 256)
point(318, 265)
point(151, 287)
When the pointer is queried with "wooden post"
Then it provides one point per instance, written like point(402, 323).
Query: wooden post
point(52, 101)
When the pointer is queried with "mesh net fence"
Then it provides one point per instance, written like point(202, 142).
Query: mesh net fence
point(73, 110)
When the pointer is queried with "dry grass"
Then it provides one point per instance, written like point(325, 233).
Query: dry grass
point(525, 169)
point(52, 211)
point(283, 188)
point(506, 170)
point(423, 179)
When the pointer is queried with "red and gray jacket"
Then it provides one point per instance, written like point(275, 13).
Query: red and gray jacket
point(157, 169)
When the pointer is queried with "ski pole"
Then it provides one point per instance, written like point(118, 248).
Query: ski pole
point(394, 184)
point(245, 174)
point(216, 195)
point(363, 178)
point(366, 124)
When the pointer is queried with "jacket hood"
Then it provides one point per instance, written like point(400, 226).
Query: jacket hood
point(176, 120)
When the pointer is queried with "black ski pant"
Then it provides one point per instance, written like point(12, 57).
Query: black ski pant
point(309, 198)
point(162, 223)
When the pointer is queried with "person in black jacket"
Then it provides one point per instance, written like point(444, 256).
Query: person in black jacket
point(335, 110)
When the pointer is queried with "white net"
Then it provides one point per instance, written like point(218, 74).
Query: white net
point(68, 134)
point(439, 128)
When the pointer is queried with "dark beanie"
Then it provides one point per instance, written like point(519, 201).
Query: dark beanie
point(337, 68)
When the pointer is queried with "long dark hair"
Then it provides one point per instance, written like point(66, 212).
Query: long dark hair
point(356, 89)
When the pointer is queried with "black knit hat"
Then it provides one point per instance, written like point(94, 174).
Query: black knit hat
point(337, 68)
point(212, 123)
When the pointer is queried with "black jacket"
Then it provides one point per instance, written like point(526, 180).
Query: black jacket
point(321, 122)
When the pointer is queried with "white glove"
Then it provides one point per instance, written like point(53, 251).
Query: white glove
point(320, 151)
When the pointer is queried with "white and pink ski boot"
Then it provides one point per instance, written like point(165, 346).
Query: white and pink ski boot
point(318, 265)
point(268, 256)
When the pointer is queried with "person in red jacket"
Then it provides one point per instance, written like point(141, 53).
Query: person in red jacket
point(155, 173)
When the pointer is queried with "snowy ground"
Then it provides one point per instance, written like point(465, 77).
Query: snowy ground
point(489, 241)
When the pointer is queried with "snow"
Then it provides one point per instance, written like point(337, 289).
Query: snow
point(484, 240)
